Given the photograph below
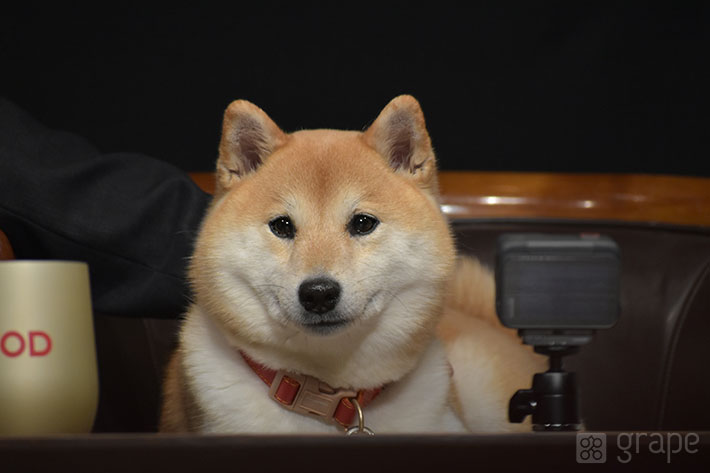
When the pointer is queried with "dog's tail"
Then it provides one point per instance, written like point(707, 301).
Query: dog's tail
point(470, 300)
point(472, 290)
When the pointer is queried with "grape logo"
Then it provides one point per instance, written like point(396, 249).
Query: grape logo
point(591, 448)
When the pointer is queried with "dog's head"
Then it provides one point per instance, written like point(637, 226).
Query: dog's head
point(325, 241)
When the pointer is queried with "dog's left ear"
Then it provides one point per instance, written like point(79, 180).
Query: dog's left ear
point(399, 134)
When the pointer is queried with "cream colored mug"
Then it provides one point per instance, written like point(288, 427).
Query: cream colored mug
point(48, 374)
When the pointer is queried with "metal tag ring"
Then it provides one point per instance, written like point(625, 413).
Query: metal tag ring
point(355, 430)
point(360, 428)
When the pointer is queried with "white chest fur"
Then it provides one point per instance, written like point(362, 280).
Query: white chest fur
point(233, 399)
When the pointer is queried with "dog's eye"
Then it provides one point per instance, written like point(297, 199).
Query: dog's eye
point(362, 224)
point(282, 227)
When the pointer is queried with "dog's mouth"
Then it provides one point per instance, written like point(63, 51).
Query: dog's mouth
point(325, 326)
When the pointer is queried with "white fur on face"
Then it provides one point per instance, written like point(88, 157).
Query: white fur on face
point(380, 273)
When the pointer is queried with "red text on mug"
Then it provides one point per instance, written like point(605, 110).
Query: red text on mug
point(35, 343)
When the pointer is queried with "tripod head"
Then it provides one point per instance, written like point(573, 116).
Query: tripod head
point(557, 290)
point(552, 401)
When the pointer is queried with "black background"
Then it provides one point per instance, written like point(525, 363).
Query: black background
point(524, 86)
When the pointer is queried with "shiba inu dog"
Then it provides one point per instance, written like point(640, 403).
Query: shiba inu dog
point(328, 295)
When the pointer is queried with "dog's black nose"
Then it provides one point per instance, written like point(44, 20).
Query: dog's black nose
point(319, 295)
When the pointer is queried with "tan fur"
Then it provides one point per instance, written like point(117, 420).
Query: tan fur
point(482, 351)
point(471, 291)
point(398, 283)
point(172, 415)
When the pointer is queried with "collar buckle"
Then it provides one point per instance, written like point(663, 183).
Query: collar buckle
point(307, 395)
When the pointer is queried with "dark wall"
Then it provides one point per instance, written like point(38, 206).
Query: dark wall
point(565, 86)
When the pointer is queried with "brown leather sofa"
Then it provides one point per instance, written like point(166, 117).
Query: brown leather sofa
point(646, 373)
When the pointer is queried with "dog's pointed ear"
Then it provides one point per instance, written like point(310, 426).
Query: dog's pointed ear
point(399, 134)
point(249, 136)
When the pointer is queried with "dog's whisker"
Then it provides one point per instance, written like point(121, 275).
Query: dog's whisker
point(394, 296)
point(270, 285)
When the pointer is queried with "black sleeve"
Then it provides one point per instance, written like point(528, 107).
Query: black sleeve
point(132, 218)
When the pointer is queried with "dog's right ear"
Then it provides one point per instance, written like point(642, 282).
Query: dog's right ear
point(249, 136)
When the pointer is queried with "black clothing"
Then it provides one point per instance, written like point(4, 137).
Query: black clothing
point(132, 218)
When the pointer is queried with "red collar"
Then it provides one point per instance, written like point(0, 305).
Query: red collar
point(308, 395)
